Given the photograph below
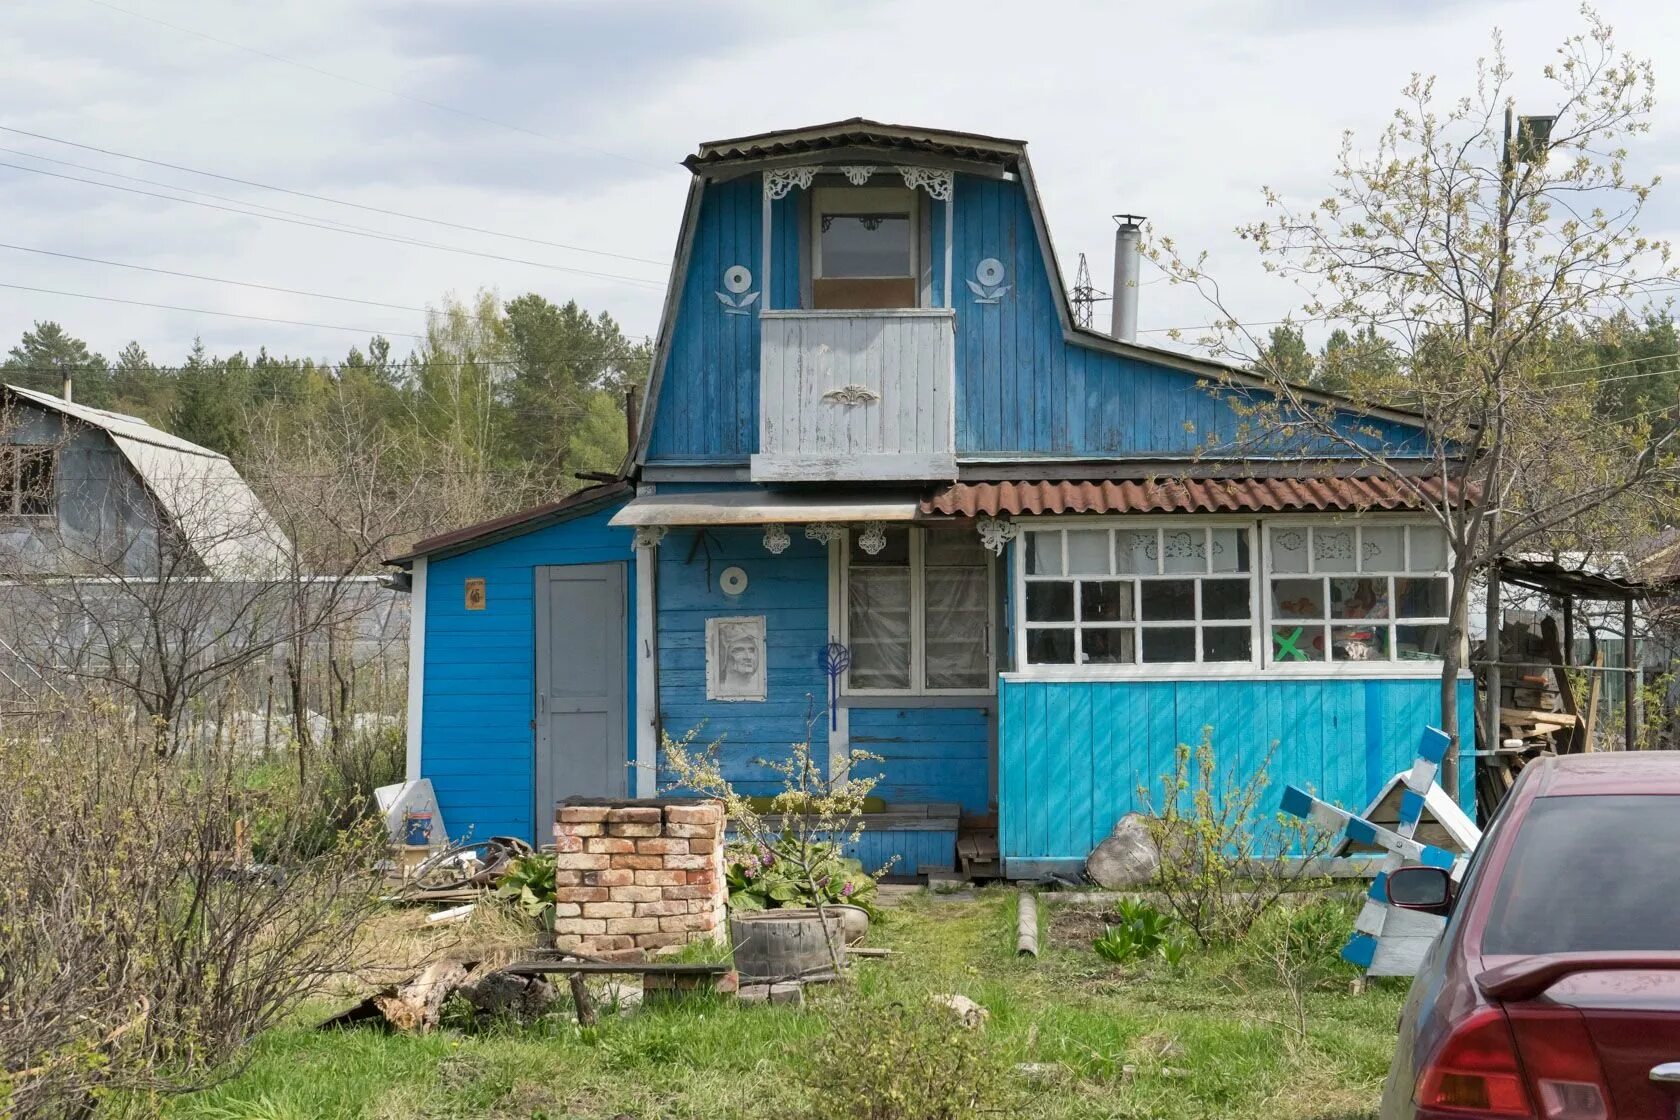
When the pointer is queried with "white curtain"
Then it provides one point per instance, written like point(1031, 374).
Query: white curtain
point(879, 627)
point(955, 627)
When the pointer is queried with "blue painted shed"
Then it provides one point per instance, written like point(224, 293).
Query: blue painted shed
point(1052, 554)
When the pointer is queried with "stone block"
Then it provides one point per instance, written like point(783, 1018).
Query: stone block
point(635, 814)
point(631, 828)
point(608, 910)
point(580, 861)
point(608, 845)
point(610, 878)
point(580, 814)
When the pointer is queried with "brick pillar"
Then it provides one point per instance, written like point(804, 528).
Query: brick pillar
point(637, 876)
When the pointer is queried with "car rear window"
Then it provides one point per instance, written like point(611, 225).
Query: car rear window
point(1589, 873)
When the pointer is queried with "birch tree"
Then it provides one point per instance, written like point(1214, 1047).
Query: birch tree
point(1462, 242)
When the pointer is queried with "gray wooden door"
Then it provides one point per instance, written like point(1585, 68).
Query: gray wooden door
point(581, 673)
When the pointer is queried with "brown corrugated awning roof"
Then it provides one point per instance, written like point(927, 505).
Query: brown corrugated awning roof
point(574, 504)
point(1193, 495)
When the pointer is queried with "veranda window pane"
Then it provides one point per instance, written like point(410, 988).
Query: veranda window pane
point(944, 548)
point(1420, 643)
point(1382, 548)
point(1044, 553)
point(1359, 598)
point(1227, 643)
point(1109, 646)
point(1427, 551)
point(1087, 552)
point(954, 627)
point(1049, 647)
point(865, 245)
point(1359, 643)
point(1297, 598)
point(1421, 598)
point(1225, 598)
point(878, 618)
point(1184, 551)
point(1049, 602)
point(1289, 550)
point(1168, 600)
point(1106, 601)
point(1229, 551)
point(1170, 644)
point(895, 554)
point(1333, 551)
point(1134, 552)
point(1297, 643)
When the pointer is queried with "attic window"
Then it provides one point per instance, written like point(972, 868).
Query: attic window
point(864, 248)
point(26, 481)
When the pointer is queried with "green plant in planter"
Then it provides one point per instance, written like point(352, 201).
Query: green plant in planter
point(790, 873)
point(529, 883)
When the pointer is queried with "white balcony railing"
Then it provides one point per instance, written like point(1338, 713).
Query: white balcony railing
point(856, 395)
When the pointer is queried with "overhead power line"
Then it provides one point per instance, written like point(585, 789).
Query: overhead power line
point(354, 231)
point(438, 105)
point(207, 311)
point(297, 193)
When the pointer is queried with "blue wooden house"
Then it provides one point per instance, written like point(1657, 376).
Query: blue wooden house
point(1052, 553)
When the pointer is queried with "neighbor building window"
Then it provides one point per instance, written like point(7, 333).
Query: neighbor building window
point(918, 613)
point(864, 248)
point(26, 481)
point(1356, 592)
point(1131, 596)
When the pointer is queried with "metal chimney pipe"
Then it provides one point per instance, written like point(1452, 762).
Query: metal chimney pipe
point(1128, 268)
point(67, 386)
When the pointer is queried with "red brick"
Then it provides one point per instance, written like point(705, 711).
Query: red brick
point(634, 814)
point(580, 814)
point(566, 842)
point(567, 940)
point(568, 878)
point(616, 947)
point(662, 846)
point(608, 910)
point(631, 828)
point(580, 861)
point(662, 909)
point(609, 878)
point(701, 847)
point(685, 831)
point(608, 845)
point(661, 940)
point(706, 878)
point(632, 925)
point(662, 878)
point(636, 894)
point(710, 813)
point(580, 894)
point(688, 892)
point(585, 926)
point(639, 863)
point(567, 910)
point(595, 829)
point(687, 863)
point(686, 923)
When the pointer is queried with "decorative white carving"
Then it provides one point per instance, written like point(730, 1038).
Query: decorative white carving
point(856, 174)
point(873, 538)
point(995, 533)
point(988, 285)
point(736, 299)
point(776, 538)
point(824, 535)
point(779, 181)
point(649, 536)
point(937, 183)
point(852, 394)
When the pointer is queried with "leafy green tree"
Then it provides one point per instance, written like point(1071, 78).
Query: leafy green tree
point(562, 363)
point(210, 399)
point(139, 388)
point(1286, 352)
point(45, 354)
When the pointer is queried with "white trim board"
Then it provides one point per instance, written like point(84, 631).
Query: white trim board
point(416, 667)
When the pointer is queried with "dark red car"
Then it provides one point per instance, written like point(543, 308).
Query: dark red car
point(1554, 991)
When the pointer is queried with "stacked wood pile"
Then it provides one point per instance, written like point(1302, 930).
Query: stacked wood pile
point(1539, 714)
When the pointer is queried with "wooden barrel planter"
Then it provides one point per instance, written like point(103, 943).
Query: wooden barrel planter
point(777, 945)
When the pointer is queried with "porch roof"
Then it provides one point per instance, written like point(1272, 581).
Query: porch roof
point(754, 507)
point(1188, 495)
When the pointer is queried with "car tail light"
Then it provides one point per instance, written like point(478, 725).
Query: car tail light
point(1562, 1065)
point(1475, 1071)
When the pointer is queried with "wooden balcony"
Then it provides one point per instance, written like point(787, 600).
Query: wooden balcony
point(852, 395)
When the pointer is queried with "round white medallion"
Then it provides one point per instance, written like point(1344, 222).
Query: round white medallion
point(737, 278)
point(733, 580)
point(989, 271)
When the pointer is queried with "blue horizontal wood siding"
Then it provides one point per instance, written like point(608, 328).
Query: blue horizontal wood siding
point(1074, 757)
point(477, 744)
point(927, 754)
point(791, 592)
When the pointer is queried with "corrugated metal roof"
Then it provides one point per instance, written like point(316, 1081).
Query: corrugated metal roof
point(856, 132)
point(199, 491)
point(1192, 495)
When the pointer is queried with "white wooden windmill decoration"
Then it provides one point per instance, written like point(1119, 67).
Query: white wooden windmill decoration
point(1388, 941)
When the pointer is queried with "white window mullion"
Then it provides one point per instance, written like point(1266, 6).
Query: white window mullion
point(918, 609)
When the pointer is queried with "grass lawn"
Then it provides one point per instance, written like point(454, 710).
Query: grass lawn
point(1214, 1041)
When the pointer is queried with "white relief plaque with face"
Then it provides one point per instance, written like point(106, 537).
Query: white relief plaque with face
point(735, 658)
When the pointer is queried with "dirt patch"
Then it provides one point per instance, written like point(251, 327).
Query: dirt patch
point(1075, 927)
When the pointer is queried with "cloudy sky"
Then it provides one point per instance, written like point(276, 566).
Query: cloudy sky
point(563, 123)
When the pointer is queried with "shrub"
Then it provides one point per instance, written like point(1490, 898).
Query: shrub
point(529, 883)
point(902, 1063)
point(774, 876)
point(1224, 861)
point(1140, 931)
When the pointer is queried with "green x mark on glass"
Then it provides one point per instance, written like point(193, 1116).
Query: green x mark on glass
point(1286, 645)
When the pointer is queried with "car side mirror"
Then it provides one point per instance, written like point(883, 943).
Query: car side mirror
point(1427, 890)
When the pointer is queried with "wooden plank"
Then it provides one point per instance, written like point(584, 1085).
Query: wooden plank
point(639, 968)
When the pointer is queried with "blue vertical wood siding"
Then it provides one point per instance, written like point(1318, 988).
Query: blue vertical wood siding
point(1074, 757)
point(477, 744)
point(927, 754)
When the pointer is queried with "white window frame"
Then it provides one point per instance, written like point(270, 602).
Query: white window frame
point(840, 200)
point(840, 574)
point(1259, 664)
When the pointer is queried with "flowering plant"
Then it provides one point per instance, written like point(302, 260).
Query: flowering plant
point(774, 876)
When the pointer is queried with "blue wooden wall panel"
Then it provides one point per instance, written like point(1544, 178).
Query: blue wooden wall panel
point(477, 745)
point(1073, 757)
point(927, 754)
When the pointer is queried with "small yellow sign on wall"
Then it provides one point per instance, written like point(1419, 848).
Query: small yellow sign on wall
point(475, 593)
